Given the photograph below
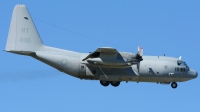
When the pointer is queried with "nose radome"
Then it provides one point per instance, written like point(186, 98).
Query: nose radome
point(196, 74)
point(192, 73)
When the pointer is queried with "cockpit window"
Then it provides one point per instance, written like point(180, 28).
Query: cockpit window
point(182, 63)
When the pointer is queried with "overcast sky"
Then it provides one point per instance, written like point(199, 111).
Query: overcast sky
point(170, 27)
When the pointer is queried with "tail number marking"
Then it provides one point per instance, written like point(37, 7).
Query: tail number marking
point(25, 40)
point(24, 30)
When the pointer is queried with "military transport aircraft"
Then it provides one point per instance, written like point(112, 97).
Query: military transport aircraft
point(105, 64)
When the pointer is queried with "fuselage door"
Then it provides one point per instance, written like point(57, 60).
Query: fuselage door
point(82, 70)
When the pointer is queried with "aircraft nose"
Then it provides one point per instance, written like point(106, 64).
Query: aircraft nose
point(192, 73)
point(196, 74)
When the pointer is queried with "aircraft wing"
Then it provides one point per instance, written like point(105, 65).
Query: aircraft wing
point(104, 52)
point(108, 57)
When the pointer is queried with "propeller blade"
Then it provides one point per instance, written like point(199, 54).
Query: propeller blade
point(139, 54)
point(140, 51)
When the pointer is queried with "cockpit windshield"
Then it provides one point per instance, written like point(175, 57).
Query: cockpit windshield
point(182, 63)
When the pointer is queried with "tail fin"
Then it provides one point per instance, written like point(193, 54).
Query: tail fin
point(23, 35)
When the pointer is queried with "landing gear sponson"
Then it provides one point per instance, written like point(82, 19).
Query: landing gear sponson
point(117, 83)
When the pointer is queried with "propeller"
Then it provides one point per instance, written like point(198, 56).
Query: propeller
point(139, 57)
point(139, 54)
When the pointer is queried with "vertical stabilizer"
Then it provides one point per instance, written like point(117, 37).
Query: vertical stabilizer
point(23, 35)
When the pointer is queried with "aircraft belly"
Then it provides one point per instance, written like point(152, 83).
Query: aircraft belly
point(157, 79)
point(184, 79)
point(108, 74)
point(114, 74)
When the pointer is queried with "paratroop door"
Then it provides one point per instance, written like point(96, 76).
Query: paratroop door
point(82, 70)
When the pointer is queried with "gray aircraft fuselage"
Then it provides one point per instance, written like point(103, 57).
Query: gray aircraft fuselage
point(105, 64)
point(152, 68)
